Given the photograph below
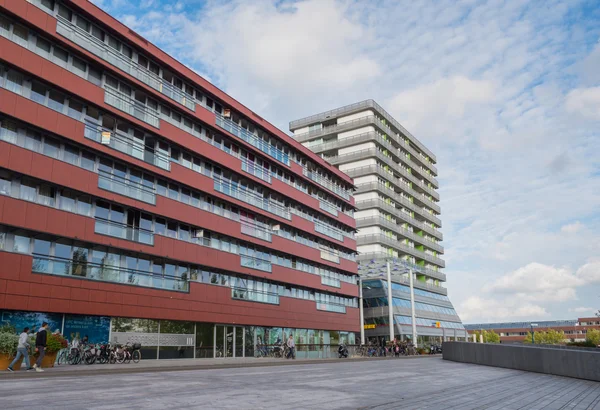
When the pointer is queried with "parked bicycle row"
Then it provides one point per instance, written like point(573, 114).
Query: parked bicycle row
point(100, 353)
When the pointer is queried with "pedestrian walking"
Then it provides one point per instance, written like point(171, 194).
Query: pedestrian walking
point(22, 350)
point(40, 346)
point(292, 346)
point(383, 347)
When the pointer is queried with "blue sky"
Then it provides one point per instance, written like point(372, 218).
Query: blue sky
point(506, 93)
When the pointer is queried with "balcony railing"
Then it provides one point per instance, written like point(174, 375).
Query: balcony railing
point(82, 269)
point(255, 263)
point(330, 307)
point(252, 139)
point(124, 187)
point(243, 194)
point(390, 224)
point(257, 232)
point(357, 107)
point(378, 203)
point(124, 231)
point(127, 145)
point(326, 183)
point(395, 243)
point(396, 197)
point(256, 170)
point(254, 296)
point(332, 233)
point(327, 281)
point(131, 106)
point(331, 257)
point(328, 208)
point(85, 40)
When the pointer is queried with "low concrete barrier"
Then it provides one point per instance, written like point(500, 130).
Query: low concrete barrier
point(579, 364)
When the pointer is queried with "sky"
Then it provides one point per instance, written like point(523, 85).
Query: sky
point(505, 93)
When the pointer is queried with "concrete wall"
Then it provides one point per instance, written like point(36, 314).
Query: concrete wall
point(576, 363)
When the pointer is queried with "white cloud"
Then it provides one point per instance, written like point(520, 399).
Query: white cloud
point(477, 309)
point(583, 310)
point(584, 102)
point(572, 228)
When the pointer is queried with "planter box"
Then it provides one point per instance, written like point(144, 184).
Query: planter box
point(5, 361)
point(47, 361)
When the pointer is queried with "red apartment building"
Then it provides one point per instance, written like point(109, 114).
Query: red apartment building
point(140, 203)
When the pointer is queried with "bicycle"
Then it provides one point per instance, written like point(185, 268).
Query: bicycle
point(63, 357)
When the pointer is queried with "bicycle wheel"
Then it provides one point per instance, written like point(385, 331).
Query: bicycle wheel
point(136, 356)
point(61, 359)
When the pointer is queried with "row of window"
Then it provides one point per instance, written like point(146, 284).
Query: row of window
point(403, 288)
point(73, 258)
point(159, 155)
point(407, 320)
point(116, 220)
point(128, 179)
point(404, 303)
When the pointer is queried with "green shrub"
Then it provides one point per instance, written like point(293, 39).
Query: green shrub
point(587, 343)
point(8, 343)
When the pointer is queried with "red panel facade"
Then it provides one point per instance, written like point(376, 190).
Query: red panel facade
point(45, 167)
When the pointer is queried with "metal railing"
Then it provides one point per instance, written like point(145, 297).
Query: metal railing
point(85, 40)
point(328, 208)
point(124, 231)
point(257, 232)
point(125, 187)
point(331, 257)
point(243, 194)
point(324, 182)
point(395, 243)
point(380, 220)
point(252, 139)
point(82, 269)
point(358, 107)
point(256, 170)
point(379, 203)
point(128, 145)
point(375, 169)
point(376, 186)
point(374, 136)
point(332, 233)
point(331, 307)
point(375, 152)
point(255, 263)
point(131, 106)
point(254, 295)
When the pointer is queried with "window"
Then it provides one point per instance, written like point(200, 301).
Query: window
point(67, 201)
point(49, 4)
point(4, 184)
point(98, 33)
point(84, 205)
point(47, 195)
point(88, 161)
point(64, 12)
point(21, 32)
point(5, 25)
point(79, 64)
point(60, 54)
point(28, 190)
point(56, 100)
point(83, 23)
point(21, 244)
point(51, 147)
point(95, 76)
point(42, 44)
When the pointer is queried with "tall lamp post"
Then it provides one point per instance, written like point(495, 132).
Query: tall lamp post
point(362, 314)
point(533, 334)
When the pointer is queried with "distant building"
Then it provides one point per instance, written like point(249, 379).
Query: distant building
point(575, 330)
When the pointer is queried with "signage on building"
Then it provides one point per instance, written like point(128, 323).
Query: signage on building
point(370, 326)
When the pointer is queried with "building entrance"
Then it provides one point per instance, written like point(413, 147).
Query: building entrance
point(229, 341)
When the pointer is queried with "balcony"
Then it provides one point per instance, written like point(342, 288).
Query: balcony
point(378, 203)
point(375, 169)
point(124, 231)
point(386, 143)
point(90, 43)
point(396, 197)
point(254, 296)
point(327, 281)
point(125, 187)
point(396, 244)
point(328, 208)
point(131, 106)
point(332, 233)
point(331, 257)
point(236, 191)
point(331, 307)
point(255, 263)
point(82, 269)
point(256, 231)
point(324, 182)
point(358, 107)
point(376, 153)
point(125, 144)
point(379, 220)
point(252, 139)
point(256, 170)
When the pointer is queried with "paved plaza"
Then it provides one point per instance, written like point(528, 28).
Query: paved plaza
point(417, 383)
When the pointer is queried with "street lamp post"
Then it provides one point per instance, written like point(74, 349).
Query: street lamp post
point(362, 314)
point(533, 334)
point(412, 307)
point(390, 301)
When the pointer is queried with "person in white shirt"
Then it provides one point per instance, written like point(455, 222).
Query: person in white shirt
point(292, 346)
point(22, 350)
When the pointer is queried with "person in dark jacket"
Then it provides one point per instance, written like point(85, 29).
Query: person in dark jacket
point(40, 346)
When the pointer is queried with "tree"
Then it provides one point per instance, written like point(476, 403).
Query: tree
point(488, 336)
point(550, 337)
point(593, 336)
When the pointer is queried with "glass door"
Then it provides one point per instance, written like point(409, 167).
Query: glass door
point(229, 341)
point(239, 341)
